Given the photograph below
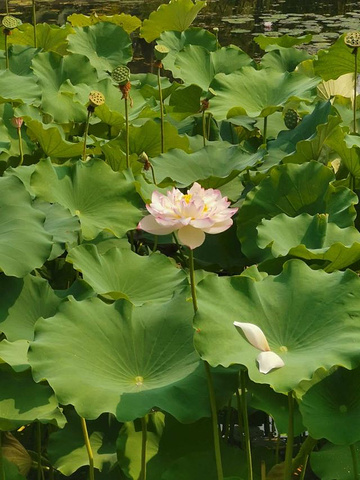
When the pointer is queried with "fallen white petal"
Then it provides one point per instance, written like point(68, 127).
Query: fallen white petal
point(268, 361)
point(190, 236)
point(254, 335)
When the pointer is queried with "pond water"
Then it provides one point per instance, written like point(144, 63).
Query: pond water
point(238, 20)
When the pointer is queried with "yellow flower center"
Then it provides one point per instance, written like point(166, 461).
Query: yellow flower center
point(187, 198)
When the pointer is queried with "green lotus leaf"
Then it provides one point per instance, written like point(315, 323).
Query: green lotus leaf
point(286, 41)
point(149, 86)
point(144, 358)
point(24, 243)
point(293, 189)
point(331, 408)
point(176, 41)
point(65, 84)
point(335, 61)
point(177, 15)
point(211, 162)
point(334, 462)
point(235, 93)
point(184, 102)
point(128, 22)
point(51, 38)
point(63, 227)
point(125, 281)
point(101, 198)
point(350, 155)
point(310, 237)
point(23, 401)
point(67, 450)
point(20, 58)
point(23, 301)
point(18, 89)
point(309, 324)
point(15, 354)
point(284, 59)
point(194, 64)
point(106, 45)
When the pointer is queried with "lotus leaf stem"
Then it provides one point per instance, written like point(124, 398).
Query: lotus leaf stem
point(290, 440)
point(240, 419)
point(7, 6)
point(352, 182)
point(86, 134)
point(127, 133)
point(355, 84)
point(209, 125)
point(88, 448)
point(21, 150)
point(265, 129)
point(162, 133)
point(303, 471)
point(2, 468)
point(263, 470)
point(7, 63)
point(304, 452)
point(204, 128)
point(246, 424)
point(143, 447)
point(38, 444)
point(228, 420)
point(354, 461)
point(34, 22)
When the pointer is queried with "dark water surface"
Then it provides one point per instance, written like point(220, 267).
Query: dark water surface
point(238, 20)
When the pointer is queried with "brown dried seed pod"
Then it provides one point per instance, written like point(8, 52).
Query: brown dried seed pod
point(352, 39)
point(96, 98)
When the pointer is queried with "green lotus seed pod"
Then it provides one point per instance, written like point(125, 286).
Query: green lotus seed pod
point(96, 98)
point(161, 51)
point(121, 75)
point(9, 22)
point(291, 119)
point(352, 39)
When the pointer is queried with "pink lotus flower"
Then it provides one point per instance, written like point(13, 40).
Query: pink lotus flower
point(193, 214)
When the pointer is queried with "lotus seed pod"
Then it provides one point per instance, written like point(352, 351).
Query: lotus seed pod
point(161, 51)
point(291, 119)
point(9, 22)
point(121, 75)
point(352, 39)
point(96, 98)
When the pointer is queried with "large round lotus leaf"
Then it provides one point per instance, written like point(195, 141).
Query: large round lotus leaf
point(128, 22)
point(350, 155)
point(286, 41)
point(177, 15)
point(310, 237)
point(22, 302)
point(196, 65)
point(209, 162)
point(23, 401)
point(133, 278)
point(126, 359)
point(284, 59)
point(15, 354)
point(65, 84)
point(331, 408)
point(106, 45)
point(334, 462)
point(294, 189)
point(50, 38)
point(310, 318)
point(176, 41)
point(14, 88)
point(235, 93)
point(24, 243)
point(335, 61)
point(67, 450)
point(101, 198)
point(63, 227)
point(184, 102)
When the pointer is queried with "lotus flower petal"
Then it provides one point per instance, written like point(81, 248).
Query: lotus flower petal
point(149, 224)
point(190, 236)
point(268, 361)
point(254, 335)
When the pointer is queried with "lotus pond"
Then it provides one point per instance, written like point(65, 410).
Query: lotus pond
point(179, 253)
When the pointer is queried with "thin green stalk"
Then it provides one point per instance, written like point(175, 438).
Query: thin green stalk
point(86, 135)
point(7, 6)
point(156, 238)
point(34, 22)
point(143, 447)
point(6, 51)
point(153, 174)
point(246, 424)
point(88, 449)
point(38, 447)
point(303, 471)
point(162, 133)
point(290, 440)
point(277, 449)
point(228, 420)
point(204, 127)
point(355, 462)
point(352, 182)
point(192, 280)
point(215, 427)
point(240, 419)
point(20, 146)
point(2, 469)
point(263, 470)
point(265, 129)
point(208, 124)
point(355, 82)
point(127, 133)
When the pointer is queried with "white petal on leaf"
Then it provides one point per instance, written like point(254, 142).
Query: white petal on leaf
point(254, 335)
point(268, 361)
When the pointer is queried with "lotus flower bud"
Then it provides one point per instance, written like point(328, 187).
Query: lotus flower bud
point(17, 122)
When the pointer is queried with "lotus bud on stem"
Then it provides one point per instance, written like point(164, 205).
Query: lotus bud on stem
point(352, 40)
point(96, 99)
point(17, 123)
point(144, 159)
point(160, 53)
point(216, 31)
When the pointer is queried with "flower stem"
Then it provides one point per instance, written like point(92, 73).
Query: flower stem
point(38, 442)
point(143, 447)
point(246, 424)
point(240, 419)
point(7, 6)
point(355, 82)
point(21, 151)
point(6, 51)
point(85, 135)
point(192, 280)
point(88, 448)
point(127, 133)
point(34, 22)
point(161, 111)
point(204, 127)
point(354, 461)
point(217, 450)
point(290, 439)
point(265, 129)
